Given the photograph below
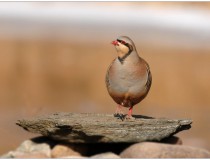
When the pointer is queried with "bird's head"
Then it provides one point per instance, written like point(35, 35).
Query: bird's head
point(123, 45)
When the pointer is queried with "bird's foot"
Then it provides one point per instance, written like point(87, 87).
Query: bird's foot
point(120, 116)
point(119, 113)
point(129, 117)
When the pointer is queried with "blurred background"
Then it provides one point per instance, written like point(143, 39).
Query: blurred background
point(54, 57)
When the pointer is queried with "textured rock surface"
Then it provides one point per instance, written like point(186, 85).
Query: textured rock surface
point(96, 128)
point(158, 150)
point(106, 155)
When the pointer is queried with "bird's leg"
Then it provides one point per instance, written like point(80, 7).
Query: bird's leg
point(119, 112)
point(129, 115)
point(130, 111)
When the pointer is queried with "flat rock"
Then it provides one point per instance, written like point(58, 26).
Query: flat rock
point(105, 128)
point(159, 150)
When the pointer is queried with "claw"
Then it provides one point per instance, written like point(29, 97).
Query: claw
point(120, 116)
point(119, 110)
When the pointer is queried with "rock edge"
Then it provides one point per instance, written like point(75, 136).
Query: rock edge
point(103, 128)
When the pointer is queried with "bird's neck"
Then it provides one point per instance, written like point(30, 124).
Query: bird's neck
point(122, 57)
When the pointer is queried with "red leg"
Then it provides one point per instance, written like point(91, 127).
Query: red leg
point(130, 112)
point(129, 116)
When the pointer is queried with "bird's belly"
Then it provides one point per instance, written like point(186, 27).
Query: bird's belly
point(127, 84)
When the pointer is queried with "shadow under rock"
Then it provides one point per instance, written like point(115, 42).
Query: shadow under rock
point(43, 139)
point(86, 149)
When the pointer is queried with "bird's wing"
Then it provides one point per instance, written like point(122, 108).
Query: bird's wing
point(149, 79)
point(107, 74)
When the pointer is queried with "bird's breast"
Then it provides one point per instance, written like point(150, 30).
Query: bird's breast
point(127, 78)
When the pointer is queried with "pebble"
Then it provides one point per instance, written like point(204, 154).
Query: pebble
point(158, 150)
point(168, 148)
point(63, 151)
point(32, 155)
point(79, 157)
point(29, 147)
point(106, 155)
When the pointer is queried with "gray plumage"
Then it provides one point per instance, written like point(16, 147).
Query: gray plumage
point(128, 78)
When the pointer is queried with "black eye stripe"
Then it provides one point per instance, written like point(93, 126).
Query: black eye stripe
point(119, 40)
point(122, 42)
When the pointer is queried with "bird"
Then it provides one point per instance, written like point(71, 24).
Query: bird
point(128, 78)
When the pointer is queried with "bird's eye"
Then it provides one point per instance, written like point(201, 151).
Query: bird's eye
point(123, 42)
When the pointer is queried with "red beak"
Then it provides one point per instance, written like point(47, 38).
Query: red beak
point(115, 43)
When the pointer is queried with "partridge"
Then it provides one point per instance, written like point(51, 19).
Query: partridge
point(128, 78)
